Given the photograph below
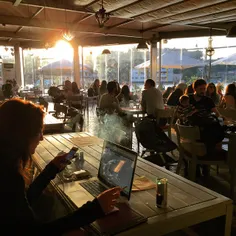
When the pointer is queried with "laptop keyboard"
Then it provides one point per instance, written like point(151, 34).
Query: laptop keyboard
point(94, 187)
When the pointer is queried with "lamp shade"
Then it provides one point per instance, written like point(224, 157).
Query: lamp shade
point(232, 32)
point(142, 46)
point(106, 51)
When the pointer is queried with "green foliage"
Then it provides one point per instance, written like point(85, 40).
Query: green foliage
point(190, 80)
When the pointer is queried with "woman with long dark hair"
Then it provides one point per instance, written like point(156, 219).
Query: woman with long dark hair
point(229, 100)
point(21, 126)
point(103, 88)
point(75, 89)
point(211, 93)
point(124, 96)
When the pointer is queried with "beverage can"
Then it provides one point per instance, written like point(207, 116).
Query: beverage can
point(161, 192)
point(81, 156)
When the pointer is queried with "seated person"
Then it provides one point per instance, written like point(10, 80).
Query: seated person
point(21, 126)
point(124, 96)
point(211, 132)
point(151, 98)
point(67, 89)
point(185, 109)
point(94, 88)
point(7, 89)
point(75, 89)
point(108, 101)
point(229, 100)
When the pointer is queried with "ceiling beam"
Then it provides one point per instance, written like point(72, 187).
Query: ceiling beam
point(17, 3)
point(228, 25)
point(34, 15)
point(179, 8)
point(189, 25)
point(52, 4)
point(219, 19)
point(210, 17)
point(120, 24)
point(131, 20)
point(84, 28)
point(26, 36)
point(125, 6)
point(190, 33)
point(146, 7)
point(52, 36)
point(185, 17)
point(91, 3)
point(6, 43)
point(86, 42)
point(83, 19)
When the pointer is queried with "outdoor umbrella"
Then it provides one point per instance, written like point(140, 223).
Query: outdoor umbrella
point(61, 67)
point(175, 60)
point(230, 60)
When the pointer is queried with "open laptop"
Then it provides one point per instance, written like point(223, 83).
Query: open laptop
point(117, 168)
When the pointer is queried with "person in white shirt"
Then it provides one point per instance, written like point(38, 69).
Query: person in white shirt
point(152, 98)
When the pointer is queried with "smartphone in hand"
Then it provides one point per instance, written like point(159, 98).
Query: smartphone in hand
point(71, 153)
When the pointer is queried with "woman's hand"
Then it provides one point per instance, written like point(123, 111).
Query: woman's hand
point(60, 161)
point(108, 198)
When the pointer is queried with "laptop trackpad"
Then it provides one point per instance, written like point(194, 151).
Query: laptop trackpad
point(115, 209)
point(80, 197)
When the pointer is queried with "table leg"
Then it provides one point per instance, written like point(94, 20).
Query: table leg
point(87, 105)
point(228, 219)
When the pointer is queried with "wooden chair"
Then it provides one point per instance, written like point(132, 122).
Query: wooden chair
point(44, 103)
point(167, 114)
point(61, 112)
point(228, 113)
point(78, 102)
point(194, 151)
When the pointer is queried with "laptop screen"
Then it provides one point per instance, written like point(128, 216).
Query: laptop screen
point(117, 167)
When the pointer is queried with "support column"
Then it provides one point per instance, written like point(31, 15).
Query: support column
point(76, 65)
point(154, 60)
point(19, 77)
point(159, 64)
point(82, 65)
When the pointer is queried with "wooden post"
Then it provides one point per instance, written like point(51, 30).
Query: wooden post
point(19, 77)
point(154, 60)
point(76, 65)
point(160, 52)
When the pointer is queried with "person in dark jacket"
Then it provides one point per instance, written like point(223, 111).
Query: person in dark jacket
point(21, 125)
point(173, 99)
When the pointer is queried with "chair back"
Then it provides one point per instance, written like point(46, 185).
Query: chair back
point(61, 110)
point(188, 139)
point(232, 151)
point(165, 113)
point(229, 113)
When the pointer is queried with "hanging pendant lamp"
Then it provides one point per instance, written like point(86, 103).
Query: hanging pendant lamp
point(142, 45)
point(101, 16)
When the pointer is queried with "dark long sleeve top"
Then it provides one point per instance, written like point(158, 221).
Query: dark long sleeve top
point(17, 217)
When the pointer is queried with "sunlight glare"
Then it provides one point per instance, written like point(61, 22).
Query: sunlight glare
point(63, 50)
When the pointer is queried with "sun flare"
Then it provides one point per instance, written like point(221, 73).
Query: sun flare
point(63, 50)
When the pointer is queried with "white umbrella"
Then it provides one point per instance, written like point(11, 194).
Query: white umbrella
point(230, 60)
point(175, 60)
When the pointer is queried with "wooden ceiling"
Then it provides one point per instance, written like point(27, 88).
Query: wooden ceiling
point(33, 23)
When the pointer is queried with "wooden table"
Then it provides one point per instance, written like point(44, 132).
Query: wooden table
point(188, 202)
point(52, 124)
point(133, 111)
